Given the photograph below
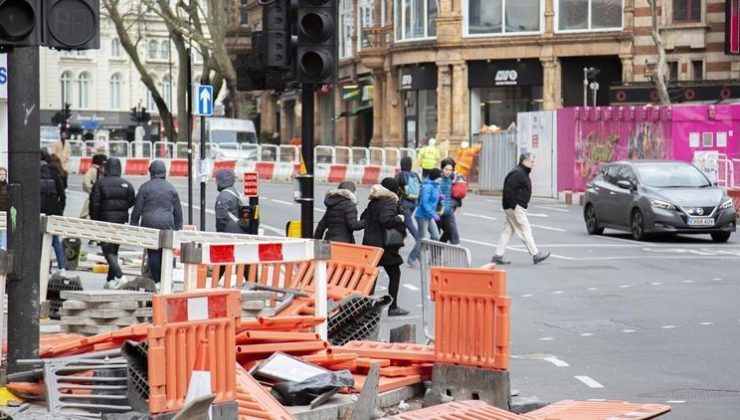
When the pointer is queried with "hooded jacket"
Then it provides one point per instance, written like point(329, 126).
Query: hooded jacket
point(340, 220)
point(517, 188)
point(227, 202)
point(381, 214)
point(403, 177)
point(53, 197)
point(428, 200)
point(112, 196)
point(157, 202)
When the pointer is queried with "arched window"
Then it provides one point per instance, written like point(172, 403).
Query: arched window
point(83, 90)
point(164, 50)
point(115, 91)
point(66, 85)
point(166, 89)
point(115, 48)
point(153, 50)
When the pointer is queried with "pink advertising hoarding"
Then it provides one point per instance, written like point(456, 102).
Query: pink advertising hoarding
point(588, 137)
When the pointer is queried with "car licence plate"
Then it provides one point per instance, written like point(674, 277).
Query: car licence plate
point(701, 221)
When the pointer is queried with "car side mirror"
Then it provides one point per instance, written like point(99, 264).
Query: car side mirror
point(624, 184)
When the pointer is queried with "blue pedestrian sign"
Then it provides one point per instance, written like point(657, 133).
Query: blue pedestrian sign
point(204, 100)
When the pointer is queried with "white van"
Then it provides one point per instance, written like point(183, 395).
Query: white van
point(227, 136)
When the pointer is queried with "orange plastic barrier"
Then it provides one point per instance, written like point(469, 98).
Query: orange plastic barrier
point(179, 322)
point(223, 164)
point(298, 346)
point(459, 410)
point(388, 384)
point(104, 341)
point(178, 167)
point(85, 165)
point(587, 410)
point(136, 167)
point(265, 170)
point(471, 317)
point(256, 402)
point(371, 175)
point(274, 337)
point(337, 173)
point(328, 358)
point(392, 351)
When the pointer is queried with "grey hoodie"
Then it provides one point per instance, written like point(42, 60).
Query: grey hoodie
point(227, 202)
point(157, 203)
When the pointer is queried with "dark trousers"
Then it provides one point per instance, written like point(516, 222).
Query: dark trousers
point(448, 225)
point(110, 252)
point(394, 281)
point(407, 209)
point(154, 259)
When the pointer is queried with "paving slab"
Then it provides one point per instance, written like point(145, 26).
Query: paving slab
point(105, 295)
point(79, 305)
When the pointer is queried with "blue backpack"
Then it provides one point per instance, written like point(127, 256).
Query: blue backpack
point(413, 186)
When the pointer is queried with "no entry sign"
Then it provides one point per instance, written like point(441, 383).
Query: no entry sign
point(251, 184)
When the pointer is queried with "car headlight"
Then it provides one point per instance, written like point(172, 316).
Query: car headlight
point(662, 204)
point(726, 204)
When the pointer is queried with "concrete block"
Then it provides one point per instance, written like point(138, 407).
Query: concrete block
point(522, 405)
point(257, 295)
point(105, 295)
point(90, 329)
point(82, 320)
point(404, 334)
point(366, 405)
point(340, 406)
point(77, 304)
point(98, 313)
point(253, 305)
point(466, 383)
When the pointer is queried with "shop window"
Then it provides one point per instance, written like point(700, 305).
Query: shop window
point(83, 90)
point(415, 19)
point(697, 69)
point(589, 15)
point(672, 70)
point(686, 10)
point(345, 28)
point(491, 17)
point(115, 48)
point(243, 14)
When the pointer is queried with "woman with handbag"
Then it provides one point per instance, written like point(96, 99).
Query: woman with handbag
point(384, 228)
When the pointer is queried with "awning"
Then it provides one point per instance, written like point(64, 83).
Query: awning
point(362, 109)
point(343, 114)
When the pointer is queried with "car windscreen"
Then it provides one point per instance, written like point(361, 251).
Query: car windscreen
point(672, 176)
point(229, 136)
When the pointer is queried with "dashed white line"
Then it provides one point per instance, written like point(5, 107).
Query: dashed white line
point(287, 203)
point(628, 331)
point(593, 289)
point(589, 382)
point(587, 335)
point(557, 362)
point(480, 216)
point(554, 229)
point(553, 209)
point(537, 215)
point(717, 279)
point(668, 327)
point(625, 286)
point(558, 292)
point(546, 338)
point(527, 295)
point(706, 323)
point(676, 402)
point(656, 283)
point(411, 287)
point(688, 281)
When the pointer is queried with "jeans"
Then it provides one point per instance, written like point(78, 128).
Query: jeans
point(407, 209)
point(59, 251)
point(110, 252)
point(424, 226)
point(516, 222)
point(154, 260)
point(449, 226)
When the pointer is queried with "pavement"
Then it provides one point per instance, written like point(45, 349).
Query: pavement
point(604, 318)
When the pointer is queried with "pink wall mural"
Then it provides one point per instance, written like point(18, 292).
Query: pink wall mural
point(588, 137)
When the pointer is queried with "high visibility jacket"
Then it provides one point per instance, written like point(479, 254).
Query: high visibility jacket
point(429, 157)
point(464, 159)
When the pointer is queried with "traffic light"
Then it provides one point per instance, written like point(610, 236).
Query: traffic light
point(276, 24)
point(20, 21)
point(66, 113)
point(72, 24)
point(135, 115)
point(145, 116)
point(317, 41)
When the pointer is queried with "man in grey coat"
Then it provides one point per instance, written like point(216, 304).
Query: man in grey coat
point(227, 203)
point(157, 206)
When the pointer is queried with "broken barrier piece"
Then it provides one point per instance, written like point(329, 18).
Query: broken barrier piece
point(255, 401)
point(568, 409)
point(459, 410)
point(394, 351)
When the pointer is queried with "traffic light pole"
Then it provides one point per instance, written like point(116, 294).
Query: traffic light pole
point(190, 139)
point(307, 111)
point(23, 218)
point(202, 174)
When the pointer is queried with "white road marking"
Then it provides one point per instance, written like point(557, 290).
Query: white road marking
point(650, 257)
point(279, 232)
point(688, 281)
point(717, 279)
point(544, 357)
point(557, 362)
point(546, 338)
point(287, 203)
point(706, 323)
point(551, 208)
point(623, 240)
point(625, 286)
point(589, 382)
point(480, 216)
point(656, 283)
point(411, 287)
point(527, 295)
point(676, 402)
point(593, 289)
point(537, 215)
point(628, 331)
point(587, 335)
point(558, 292)
point(554, 229)
point(668, 327)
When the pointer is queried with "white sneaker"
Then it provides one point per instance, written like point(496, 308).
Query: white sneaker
point(122, 281)
point(158, 287)
point(112, 284)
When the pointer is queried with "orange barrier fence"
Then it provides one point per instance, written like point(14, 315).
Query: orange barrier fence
point(224, 164)
point(136, 167)
point(256, 402)
point(178, 167)
point(265, 169)
point(179, 322)
point(85, 164)
point(337, 173)
point(371, 175)
point(471, 317)
point(459, 410)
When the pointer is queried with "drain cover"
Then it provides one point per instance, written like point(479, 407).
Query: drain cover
point(694, 394)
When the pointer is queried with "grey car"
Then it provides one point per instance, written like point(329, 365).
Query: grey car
point(646, 197)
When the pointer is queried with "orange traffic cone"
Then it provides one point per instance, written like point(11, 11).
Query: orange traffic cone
point(200, 380)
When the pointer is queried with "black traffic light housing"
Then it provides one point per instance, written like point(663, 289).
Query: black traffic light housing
point(60, 24)
point(277, 17)
point(20, 23)
point(317, 41)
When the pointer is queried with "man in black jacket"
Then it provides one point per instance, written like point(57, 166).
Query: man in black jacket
point(340, 220)
point(517, 193)
point(110, 200)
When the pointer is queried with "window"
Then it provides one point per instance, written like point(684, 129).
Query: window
point(366, 17)
point(166, 88)
point(488, 17)
point(415, 19)
point(686, 10)
point(153, 50)
point(115, 91)
point(83, 90)
point(345, 28)
point(672, 70)
point(697, 69)
point(115, 48)
point(589, 15)
point(243, 15)
point(66, 85)
point(164, 50)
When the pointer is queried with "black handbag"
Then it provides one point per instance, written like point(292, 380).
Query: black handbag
point(393, 237)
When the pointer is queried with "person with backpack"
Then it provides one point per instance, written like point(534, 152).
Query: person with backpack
point(228, 202)
point(340, 219)
point(447, 222)
point(426, 212)
point(409, 186)
point(110, 200)
point(53, 201)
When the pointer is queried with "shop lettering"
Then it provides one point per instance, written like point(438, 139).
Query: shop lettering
point(407, 80)
point(506, 77)
point(3, 75)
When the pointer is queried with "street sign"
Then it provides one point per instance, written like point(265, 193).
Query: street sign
point(251, 184)
point(203, 100)
point(3, 76)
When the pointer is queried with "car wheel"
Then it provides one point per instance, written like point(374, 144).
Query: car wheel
point(592, 223)
point(637, 226)
point(721, 237)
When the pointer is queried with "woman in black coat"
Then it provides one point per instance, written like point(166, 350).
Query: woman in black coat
point(340, 220)
point(383, 213)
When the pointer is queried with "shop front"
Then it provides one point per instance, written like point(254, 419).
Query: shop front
point(357, 112)
point(499, 89)
point(419, 96)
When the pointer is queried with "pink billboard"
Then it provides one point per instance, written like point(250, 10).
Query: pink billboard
point(588, 137)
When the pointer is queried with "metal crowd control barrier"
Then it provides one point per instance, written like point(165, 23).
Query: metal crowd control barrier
point(437, 254)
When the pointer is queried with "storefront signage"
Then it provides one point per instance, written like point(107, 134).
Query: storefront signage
point(495, 73)
point(3, 76)
point(419, 77)
point(407, 81)
point(506, 78)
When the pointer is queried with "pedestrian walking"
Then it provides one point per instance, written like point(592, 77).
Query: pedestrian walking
point(450, 204)
point(53, 200)
point(91, 177)
point(340, 219)
point(60, 148)
point(110, 200)
point(426, 212)
point(410, 187)
point(4, 204)
point(228, 202)
point(157, 206)
point(428, 157)
point(517, 193)
point(384, 228)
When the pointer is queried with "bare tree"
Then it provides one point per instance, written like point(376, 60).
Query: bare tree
point(659, 73)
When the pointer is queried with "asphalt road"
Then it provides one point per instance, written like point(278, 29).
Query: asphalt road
point(604, 318)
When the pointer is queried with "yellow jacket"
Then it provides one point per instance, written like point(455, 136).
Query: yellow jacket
point(428, 157)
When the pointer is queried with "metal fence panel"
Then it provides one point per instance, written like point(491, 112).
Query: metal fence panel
point(497, 157)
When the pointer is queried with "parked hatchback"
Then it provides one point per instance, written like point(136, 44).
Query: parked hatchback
point(644, 197)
